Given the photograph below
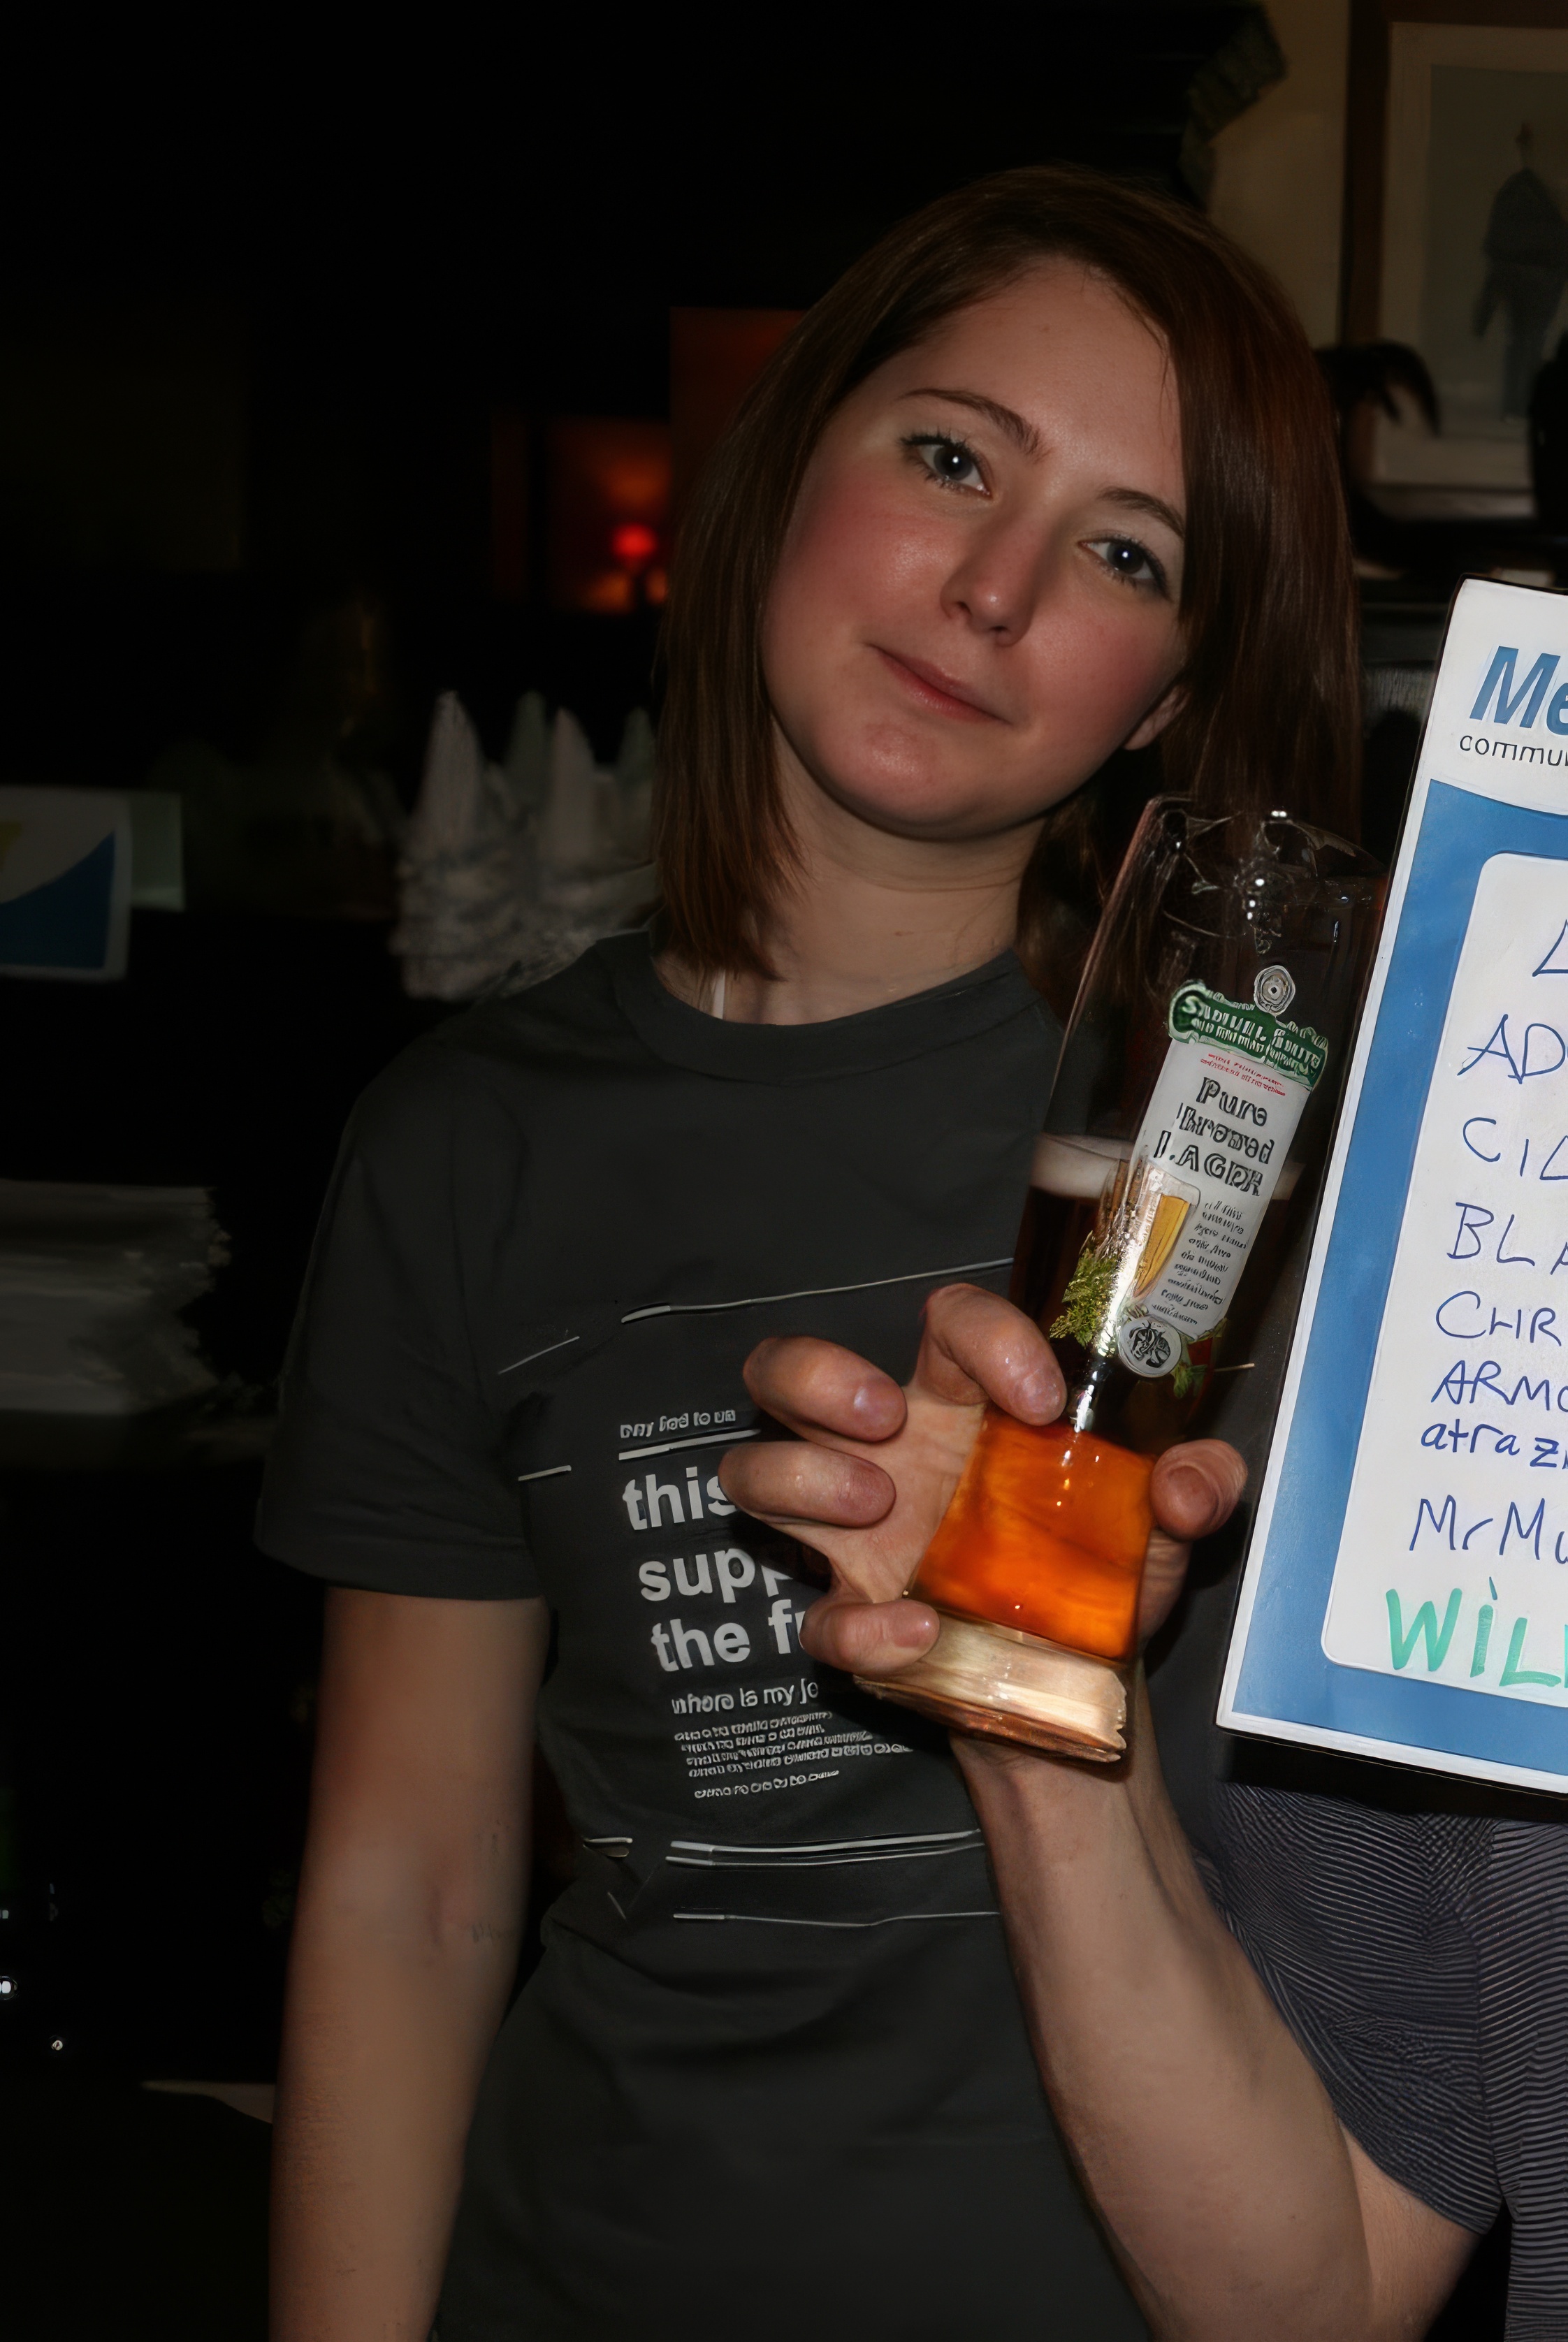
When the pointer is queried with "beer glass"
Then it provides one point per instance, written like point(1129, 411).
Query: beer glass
point(1183, 1149)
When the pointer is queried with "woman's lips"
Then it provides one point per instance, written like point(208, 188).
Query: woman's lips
point(934, 689)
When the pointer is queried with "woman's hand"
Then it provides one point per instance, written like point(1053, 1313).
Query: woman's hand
point(872, 1468)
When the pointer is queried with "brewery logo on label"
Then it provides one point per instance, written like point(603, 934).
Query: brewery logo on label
point(1146, 1347)
point(1196, 1013)
point(1274, 988)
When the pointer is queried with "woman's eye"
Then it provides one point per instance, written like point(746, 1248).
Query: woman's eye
point(948, 461)
point(1126, 559)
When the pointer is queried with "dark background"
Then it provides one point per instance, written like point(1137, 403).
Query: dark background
point(391, 246)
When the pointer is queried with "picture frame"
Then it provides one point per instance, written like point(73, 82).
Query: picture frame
point(1456, 165)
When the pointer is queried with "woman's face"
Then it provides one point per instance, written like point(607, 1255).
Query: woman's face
point(976, 600)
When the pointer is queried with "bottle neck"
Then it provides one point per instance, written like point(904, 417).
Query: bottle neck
point(1088, 1378)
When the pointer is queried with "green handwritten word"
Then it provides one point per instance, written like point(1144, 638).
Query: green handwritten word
point(1424, 1629)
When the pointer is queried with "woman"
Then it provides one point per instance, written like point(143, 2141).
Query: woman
point(1050, 473)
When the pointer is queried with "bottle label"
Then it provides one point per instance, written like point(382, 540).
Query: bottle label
point(1176, 1221)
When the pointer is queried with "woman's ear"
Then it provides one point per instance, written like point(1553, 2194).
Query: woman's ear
point(1158, 716)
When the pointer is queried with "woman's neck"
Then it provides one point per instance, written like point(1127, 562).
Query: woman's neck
point(868, 917)
point(845, 941)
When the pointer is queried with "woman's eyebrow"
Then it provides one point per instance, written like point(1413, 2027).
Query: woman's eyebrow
point(1022, 435)
point(1025, 436)
point(1137, 500)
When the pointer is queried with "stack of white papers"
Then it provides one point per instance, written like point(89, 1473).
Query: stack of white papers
point(92, 1282)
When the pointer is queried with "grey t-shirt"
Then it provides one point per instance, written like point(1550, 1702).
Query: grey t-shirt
point(771, 2077)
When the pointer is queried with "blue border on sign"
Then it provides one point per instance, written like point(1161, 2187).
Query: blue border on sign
point(1286, 1676)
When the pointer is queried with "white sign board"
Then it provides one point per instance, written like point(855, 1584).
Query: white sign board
point(1406, 1593)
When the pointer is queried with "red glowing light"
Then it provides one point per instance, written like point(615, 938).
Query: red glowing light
point(634, 544)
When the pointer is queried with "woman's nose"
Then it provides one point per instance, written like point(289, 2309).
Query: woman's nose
point(998, 584)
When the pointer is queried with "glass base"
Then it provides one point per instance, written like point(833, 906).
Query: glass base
point(1011, 1685)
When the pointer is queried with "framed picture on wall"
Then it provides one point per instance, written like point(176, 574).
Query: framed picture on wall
point(1471, 267)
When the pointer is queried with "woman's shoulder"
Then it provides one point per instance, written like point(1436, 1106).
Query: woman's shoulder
point(498, 1059)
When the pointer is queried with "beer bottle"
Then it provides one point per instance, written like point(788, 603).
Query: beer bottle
point(1182, 1154)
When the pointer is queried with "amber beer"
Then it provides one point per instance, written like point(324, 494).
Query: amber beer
point(1188, 1121)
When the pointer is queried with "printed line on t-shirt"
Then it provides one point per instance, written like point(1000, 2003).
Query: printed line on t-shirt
point(702, 1439)
point(768, 1919)
point(665, 1447)
point(810, 1292)
point(761, 1861)
point(563, 1344)
point(938, 1841)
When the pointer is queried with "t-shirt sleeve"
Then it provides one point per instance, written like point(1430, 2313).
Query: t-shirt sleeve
point(387, 1468)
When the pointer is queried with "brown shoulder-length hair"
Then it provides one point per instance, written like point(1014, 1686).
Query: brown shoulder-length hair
point(1270, 718)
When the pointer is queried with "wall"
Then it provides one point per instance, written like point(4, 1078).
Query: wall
point(1280, 168)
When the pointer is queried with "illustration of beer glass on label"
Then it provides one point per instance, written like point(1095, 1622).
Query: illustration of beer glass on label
point(1184, 1141)
point(1160, 1224)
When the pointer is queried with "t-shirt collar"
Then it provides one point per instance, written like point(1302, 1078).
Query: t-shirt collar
point(952, 1012)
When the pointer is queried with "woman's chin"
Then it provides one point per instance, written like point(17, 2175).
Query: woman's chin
point(928, 806)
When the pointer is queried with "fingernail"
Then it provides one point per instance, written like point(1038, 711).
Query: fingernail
point(913, 1627)
point(874, 1405)
point(1185, 1481)
point(1044, 1393)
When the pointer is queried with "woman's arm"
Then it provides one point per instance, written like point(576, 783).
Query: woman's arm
point(1239, 2205)
point(405, 1946)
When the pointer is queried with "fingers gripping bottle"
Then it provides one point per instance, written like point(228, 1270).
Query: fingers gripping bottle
point(1182, 1148)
